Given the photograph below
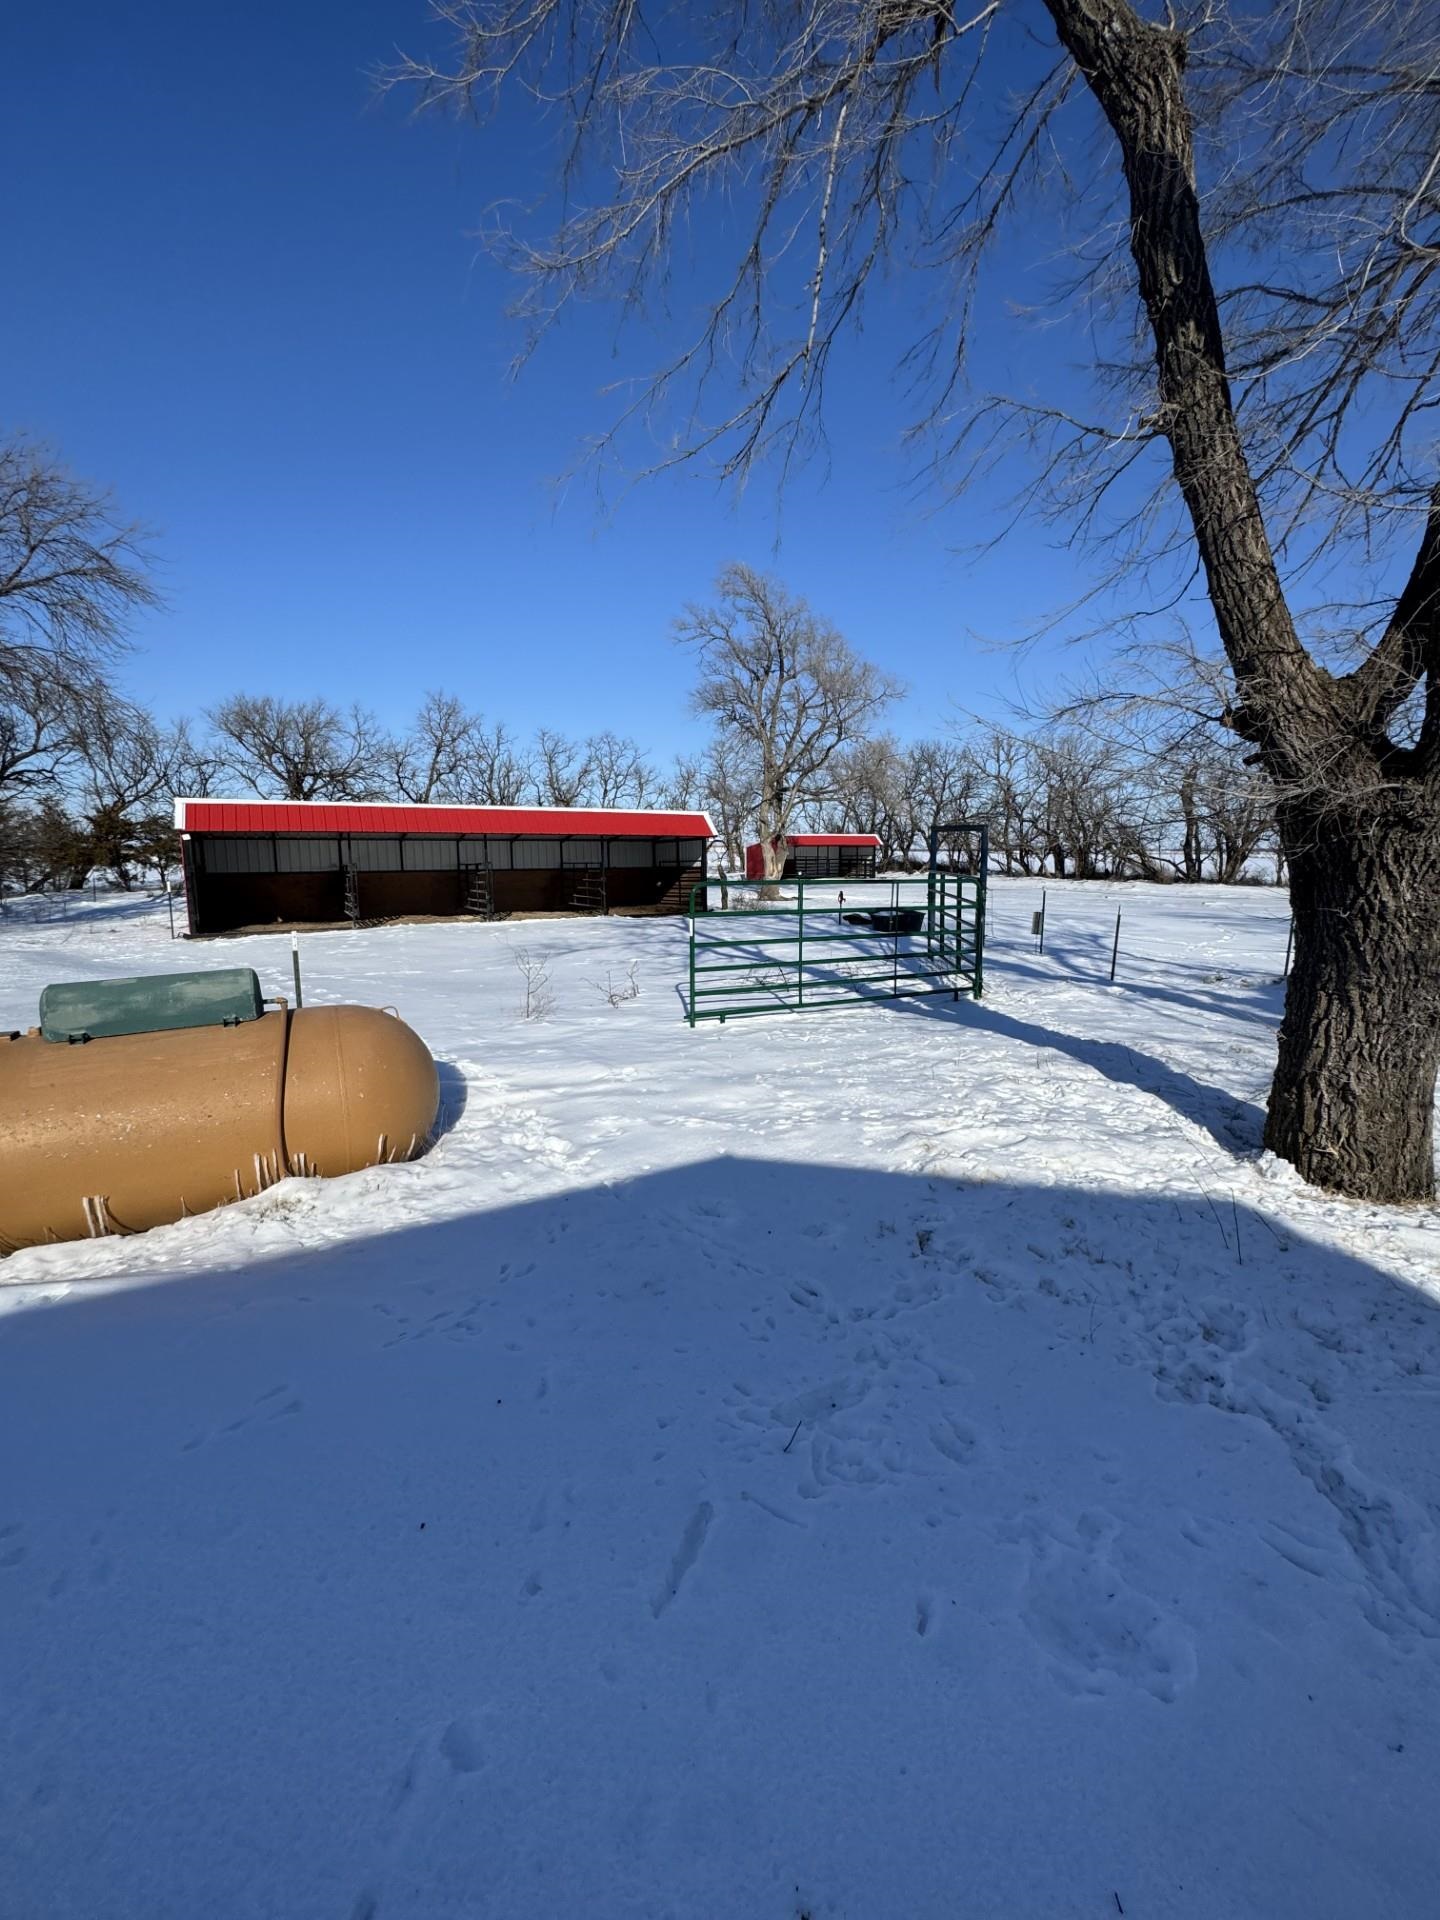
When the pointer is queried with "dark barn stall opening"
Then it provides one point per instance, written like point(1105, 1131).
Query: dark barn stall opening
point(250, 863)
point(819, 856)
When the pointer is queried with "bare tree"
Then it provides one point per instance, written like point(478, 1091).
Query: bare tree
point(71, 572)
point(786, 692)
point(196, 765)
point(683, 787)
point(730, 797)
point(941, 786)
point(299, 749)
point(619, 773)
point(428, 763)
point(1284, 415)
point(1009, 798)
point(868, 795)
point(1082, 787)
point(495, 772)
point(1197, 806)
point(561, 770)
point(539, 995)
point(1226, 812)
point(37, 724)
point(123, 790)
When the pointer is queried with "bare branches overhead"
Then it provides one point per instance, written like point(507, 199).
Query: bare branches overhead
point(72, 573)
point(810, 130)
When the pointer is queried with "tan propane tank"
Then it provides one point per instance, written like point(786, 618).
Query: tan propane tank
point(137, 1129)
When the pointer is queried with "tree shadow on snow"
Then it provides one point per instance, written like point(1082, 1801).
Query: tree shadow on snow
point(625, 1538)
point(1235, 1124)
point(1259, 1002)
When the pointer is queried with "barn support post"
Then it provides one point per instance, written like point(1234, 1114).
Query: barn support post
point(190, 864)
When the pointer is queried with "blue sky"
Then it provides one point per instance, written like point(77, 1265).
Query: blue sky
point(242, 295)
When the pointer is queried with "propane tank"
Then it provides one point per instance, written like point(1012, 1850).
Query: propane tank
point(133, 1130)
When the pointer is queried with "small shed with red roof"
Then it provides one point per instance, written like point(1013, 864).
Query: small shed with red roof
point(819, 856)
point(253, 863)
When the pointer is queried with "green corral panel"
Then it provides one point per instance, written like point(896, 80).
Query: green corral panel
point(795, 946)
point(99, 1009)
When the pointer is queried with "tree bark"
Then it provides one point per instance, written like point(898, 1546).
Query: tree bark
point(1353, 1100)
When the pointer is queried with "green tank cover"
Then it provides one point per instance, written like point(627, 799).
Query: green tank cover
point(98, 1009)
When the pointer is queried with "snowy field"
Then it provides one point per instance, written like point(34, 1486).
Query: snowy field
point(910, 1462)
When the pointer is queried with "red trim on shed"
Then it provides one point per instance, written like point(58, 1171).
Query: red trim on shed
point(313, 816)
point(834, 840)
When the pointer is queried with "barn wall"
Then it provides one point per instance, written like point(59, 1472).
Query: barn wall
point(235, 884)
point(830, 863)
point(651, 889)
point(384, 896)
point(257, 899)
point(533, 889)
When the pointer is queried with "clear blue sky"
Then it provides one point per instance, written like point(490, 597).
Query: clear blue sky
point(241, 295)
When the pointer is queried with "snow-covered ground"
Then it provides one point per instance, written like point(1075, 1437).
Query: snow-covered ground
point(919, 1461)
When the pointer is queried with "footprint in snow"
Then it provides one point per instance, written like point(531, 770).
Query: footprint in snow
point(1097, 1629)
point(267, 1407)
point(433, 1769)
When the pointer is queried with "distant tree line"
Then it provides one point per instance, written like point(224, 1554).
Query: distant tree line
point(88, 777)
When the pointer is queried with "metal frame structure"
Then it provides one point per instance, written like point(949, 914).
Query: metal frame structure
point(827, 943)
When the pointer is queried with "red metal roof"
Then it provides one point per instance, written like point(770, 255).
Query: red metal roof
point(833, 839)
point(320, 816)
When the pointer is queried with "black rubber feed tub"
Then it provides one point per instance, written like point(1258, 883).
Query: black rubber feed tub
point(889, 919)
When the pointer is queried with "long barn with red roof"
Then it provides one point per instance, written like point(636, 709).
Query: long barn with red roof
point(256, 863)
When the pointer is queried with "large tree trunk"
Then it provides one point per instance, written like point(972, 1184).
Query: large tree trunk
point(1352, 1106)
point(1353, 1101)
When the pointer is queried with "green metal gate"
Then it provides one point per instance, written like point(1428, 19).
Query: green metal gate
point(796, 946)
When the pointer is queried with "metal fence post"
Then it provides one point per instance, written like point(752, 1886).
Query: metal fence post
point(980, 911)
point(895, 937)
point(1115, 950)
point(692, 956)
point(800, 949)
